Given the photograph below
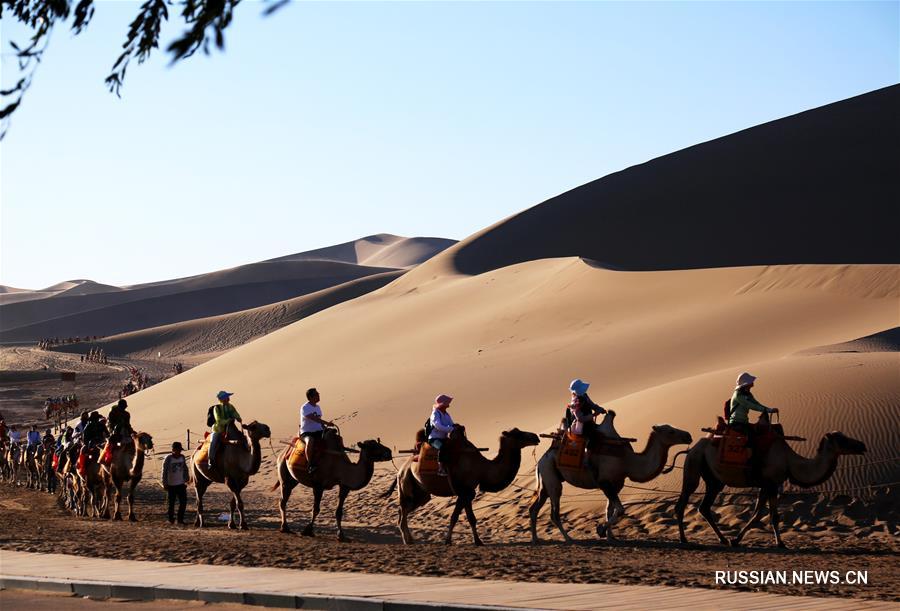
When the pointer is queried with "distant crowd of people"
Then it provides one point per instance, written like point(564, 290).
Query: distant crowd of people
point(178, 367)
point(49, 342)
point(95, 355)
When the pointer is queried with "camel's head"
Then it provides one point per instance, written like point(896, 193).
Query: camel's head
point(670, 436)
point(145, 441)
point(258, 430)
point(843, 444)
point(373, 449)
point(521, 439)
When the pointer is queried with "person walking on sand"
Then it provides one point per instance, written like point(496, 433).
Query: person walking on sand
point(312, 428)
point(224, 414)
point(175, 479)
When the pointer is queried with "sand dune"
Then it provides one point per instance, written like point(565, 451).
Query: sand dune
point(380, 250)
point(82, 306)
point(817, 187)
point(204, 336)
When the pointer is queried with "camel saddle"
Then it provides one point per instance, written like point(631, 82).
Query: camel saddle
point(735, 448)
point(570, 449)
point(427, 458)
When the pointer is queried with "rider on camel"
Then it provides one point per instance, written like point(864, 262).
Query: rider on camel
point(119, 422)
point(440, 429)
point(742, 401)
point(581, 411)
point(312, 427)
point(225, 414)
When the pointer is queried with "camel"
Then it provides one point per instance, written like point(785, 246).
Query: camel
point(468, 470)
point(13, 462)
point(604, 472)
point(68, 479)
point(334, 469)
point(779, 464)
point(127, 468)
point(234, 466)
point(94, 485)
point(31, 461)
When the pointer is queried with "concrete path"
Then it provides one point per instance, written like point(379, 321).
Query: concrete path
point(289, 588)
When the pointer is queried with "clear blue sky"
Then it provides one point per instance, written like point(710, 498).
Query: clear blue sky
point(331, 121)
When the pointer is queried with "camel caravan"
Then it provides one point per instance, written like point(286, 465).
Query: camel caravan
point(100, 461)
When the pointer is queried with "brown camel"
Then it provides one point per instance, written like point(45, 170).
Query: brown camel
point(13, 462)
point(468, 470)
point(68, 479)
point(334, 469)
point(604, 472)
point(31, 464)
point(93, 485)
point(234, 466)
point(127, 468)
point(779, 464)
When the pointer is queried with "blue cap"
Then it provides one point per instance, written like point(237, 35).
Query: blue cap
point(223, 395)
point(578, 386)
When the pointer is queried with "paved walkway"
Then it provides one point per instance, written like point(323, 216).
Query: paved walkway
point(341, 591)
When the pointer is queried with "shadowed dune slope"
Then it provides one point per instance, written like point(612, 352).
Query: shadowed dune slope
point(817, 187)
point(199, 303)
point(219, 333)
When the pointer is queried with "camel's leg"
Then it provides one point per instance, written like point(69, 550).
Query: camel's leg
point(457, 509)
point(713, 488)
point(200, 486)
point(339, 514)
point(317, 505)
point(757, 516)
point(774, 517)
point(132, 485)
point(288, 484)
point(689, 482)
point(555, 516)
point(117, 505)
point(470, 515)
point(232, 506)
point(540, 497)
point(240, 509)
point(614, 510)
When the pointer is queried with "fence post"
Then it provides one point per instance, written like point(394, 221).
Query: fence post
point(189, 439)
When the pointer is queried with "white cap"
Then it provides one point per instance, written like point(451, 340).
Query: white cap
point(745, 379)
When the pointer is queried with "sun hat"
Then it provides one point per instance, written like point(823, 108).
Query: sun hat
point(745, 379)
point(579, 387)
point(442, 400)
point(176, 445)
point(223, 395)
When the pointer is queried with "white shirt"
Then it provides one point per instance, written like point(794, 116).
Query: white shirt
point(308, 425)
point(441, 424)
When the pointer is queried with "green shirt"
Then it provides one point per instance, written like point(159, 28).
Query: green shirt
point(224, 413)
point(741, 404)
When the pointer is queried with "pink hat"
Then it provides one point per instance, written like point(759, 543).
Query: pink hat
point(442, 400)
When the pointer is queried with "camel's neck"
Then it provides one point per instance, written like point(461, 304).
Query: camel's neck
point(813, 471)
point(137, 467)
point(251, 463)
point(358, 475)
point(497, 474)
point(649, 463)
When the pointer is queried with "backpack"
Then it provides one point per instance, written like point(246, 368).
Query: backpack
point(428, 428)
point(210, 416)
point(727, 409)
